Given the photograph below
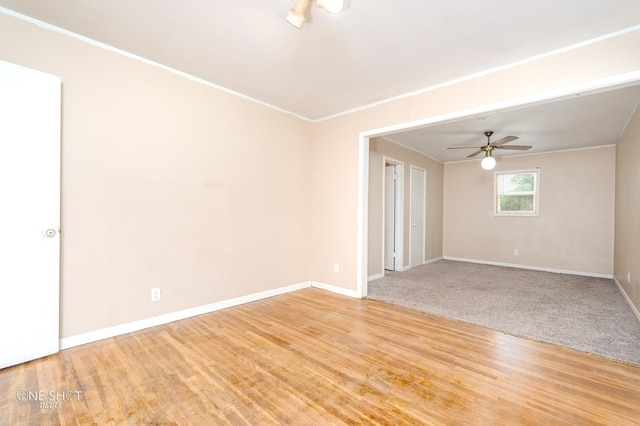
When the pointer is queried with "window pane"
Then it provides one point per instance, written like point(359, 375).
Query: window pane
point(516, 193)
point(516, 203)
point(521, 182)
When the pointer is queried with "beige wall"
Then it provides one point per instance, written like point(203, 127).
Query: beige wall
point(574, 228)
point(378, 149)
point(627, 233)
point(166, 183)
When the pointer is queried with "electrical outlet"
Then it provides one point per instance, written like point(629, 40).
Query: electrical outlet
point(628, 277)
point(336, 267)
point(155, 294)
point(516, 252)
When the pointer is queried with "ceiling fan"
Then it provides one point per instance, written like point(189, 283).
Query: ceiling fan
point(488, 162)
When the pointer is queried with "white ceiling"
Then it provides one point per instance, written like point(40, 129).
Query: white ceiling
point(373, 51)
point(577, 122)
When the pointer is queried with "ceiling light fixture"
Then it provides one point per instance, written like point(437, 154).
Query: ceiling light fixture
point(296, 15)
point(488, 162)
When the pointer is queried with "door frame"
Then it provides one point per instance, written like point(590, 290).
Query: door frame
point(424, 215)
point(399, 210)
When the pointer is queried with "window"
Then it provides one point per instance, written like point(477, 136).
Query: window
point(516, 193)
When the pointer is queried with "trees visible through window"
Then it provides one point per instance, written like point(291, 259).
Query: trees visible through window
point(516, 193)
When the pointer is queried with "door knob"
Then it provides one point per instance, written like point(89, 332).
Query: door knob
point(49, 232)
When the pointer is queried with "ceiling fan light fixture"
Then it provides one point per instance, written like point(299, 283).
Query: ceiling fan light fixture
point(488, 162)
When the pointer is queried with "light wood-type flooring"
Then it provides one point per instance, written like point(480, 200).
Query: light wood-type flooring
point(315, 358)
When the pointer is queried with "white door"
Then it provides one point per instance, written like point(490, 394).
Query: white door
point(418, 217)
point(29, 213)
point(390, 217)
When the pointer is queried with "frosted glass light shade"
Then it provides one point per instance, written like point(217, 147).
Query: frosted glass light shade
point(488, 163)
point(331, 6)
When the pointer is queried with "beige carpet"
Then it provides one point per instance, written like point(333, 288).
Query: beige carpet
point(583, 313)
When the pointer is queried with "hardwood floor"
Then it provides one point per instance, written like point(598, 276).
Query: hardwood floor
point(314, 358)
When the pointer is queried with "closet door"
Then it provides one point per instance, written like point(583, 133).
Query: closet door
point(29, 213)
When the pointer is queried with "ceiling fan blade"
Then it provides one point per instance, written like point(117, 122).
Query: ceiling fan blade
point(520, 147)
point(504, 140)
point(462, 147)
point(475, 153)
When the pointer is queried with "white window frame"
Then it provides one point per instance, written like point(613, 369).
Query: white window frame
point(536, 193)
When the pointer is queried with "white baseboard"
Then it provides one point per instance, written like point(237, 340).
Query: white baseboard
point(375, 277)
point(627, 298)
point(426, 262)
point(105, 333)
point(335, 289)
point(404, 268)
point(533, 268)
